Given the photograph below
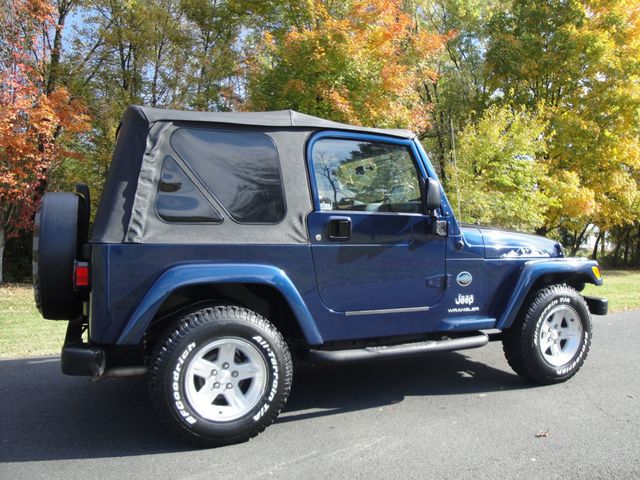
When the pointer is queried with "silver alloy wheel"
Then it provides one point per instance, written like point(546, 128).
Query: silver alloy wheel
point(225, 379)
point(560, 335)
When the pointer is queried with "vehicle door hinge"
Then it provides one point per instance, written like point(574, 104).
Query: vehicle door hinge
point(439, 227)
point(439, 281)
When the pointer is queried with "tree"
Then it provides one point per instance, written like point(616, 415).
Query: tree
point(459, 89)
point(360, 63)
point(500, 168)
point(580, 62)
point(37, 118)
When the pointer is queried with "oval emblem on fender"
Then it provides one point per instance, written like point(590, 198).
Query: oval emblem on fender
point(464, 279)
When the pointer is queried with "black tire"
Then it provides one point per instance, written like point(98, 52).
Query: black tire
point(183, 344)
point(528, 343)
point(56, 243)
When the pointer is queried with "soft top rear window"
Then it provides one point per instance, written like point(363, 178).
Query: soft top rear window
point(241, 170)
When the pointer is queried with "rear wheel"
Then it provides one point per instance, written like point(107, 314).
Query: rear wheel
point(220, 375)
point(550, 341)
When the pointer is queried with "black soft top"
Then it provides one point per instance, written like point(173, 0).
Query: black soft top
point(126, 213)
point(279, 118)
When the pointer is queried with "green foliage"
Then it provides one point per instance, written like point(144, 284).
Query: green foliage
point(499, 169)
point(580, 62)
point(543, 96)
point(459, 89)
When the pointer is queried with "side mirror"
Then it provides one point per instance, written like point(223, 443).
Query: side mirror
point(430, 195)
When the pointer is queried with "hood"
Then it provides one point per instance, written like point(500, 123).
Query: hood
point(499, 243)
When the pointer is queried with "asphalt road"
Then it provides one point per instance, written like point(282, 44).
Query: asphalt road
point(447, 415)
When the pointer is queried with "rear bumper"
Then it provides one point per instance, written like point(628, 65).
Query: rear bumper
point(83, 359)
point(90, 360)
point(79, 358)
point(597, 305)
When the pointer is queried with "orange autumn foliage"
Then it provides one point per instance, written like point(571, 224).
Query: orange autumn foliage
point(365, 65)
point(34, 125)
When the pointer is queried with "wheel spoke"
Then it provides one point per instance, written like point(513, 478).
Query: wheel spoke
point(545, 329)
point(555, 349)
point(203, 368)
point(226, 353)
point(246, 370)
point(570, 334)
point(236, 399)
point(207, 395)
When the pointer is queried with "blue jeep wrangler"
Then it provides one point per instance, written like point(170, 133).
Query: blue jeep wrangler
point(226, 245)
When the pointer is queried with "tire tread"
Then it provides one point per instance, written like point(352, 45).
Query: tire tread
point(515, 342)
point(172, 337)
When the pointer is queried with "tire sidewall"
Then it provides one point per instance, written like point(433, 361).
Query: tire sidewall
point(572, 300)
point(176, 374)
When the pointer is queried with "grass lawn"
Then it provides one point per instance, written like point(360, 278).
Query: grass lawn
point(621, 287)
point(23, 332)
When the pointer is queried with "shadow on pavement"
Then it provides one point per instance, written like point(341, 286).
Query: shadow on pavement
point(49, 416)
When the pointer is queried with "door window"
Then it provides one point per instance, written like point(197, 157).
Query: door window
point(356, 175)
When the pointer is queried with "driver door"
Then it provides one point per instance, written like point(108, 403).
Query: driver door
point(372, 246)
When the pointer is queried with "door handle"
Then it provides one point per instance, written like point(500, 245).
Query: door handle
point(339, 228)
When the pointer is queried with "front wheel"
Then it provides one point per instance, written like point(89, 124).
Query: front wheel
point(220, 375)
point(550, 340)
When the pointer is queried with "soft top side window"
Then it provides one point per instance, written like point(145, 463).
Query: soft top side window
point(240, 169)
point(358, 175)
point(179, 200)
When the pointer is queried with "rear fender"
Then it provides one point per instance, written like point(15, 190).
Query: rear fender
point(534, 270)
point(187, 275)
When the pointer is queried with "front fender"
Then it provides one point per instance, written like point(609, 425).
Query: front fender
point(186, 275)
point(533, 270)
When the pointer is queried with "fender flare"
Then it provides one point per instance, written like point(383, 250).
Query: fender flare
point(533, 270)
point(186, 275)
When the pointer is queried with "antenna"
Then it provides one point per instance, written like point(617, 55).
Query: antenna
point(455, 167)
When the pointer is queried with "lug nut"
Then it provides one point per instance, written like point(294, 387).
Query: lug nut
point(225, 365)
point(234, 374)
point(214, 372)
point(229, 386)
point(216, 385)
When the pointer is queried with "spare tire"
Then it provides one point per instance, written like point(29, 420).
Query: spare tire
point(56, 244)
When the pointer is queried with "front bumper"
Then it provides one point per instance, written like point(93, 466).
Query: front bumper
point(597, 305)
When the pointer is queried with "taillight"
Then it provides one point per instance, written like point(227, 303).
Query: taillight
point(80, 275)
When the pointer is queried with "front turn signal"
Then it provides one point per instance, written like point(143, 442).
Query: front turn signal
point(596, 272)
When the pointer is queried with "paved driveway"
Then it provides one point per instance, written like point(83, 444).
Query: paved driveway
point(447, 415)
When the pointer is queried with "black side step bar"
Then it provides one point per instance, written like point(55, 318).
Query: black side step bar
point(406, 349)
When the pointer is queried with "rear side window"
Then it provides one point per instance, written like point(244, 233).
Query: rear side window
point(241, 170)
point(178, 198)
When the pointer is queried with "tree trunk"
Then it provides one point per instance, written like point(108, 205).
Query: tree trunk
point(542, 230)
point(619, 236)
point(578, 241)
point(637, 262)
point(56, 52)
point(627, 244)
point(2, 239)
point(594, 255)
